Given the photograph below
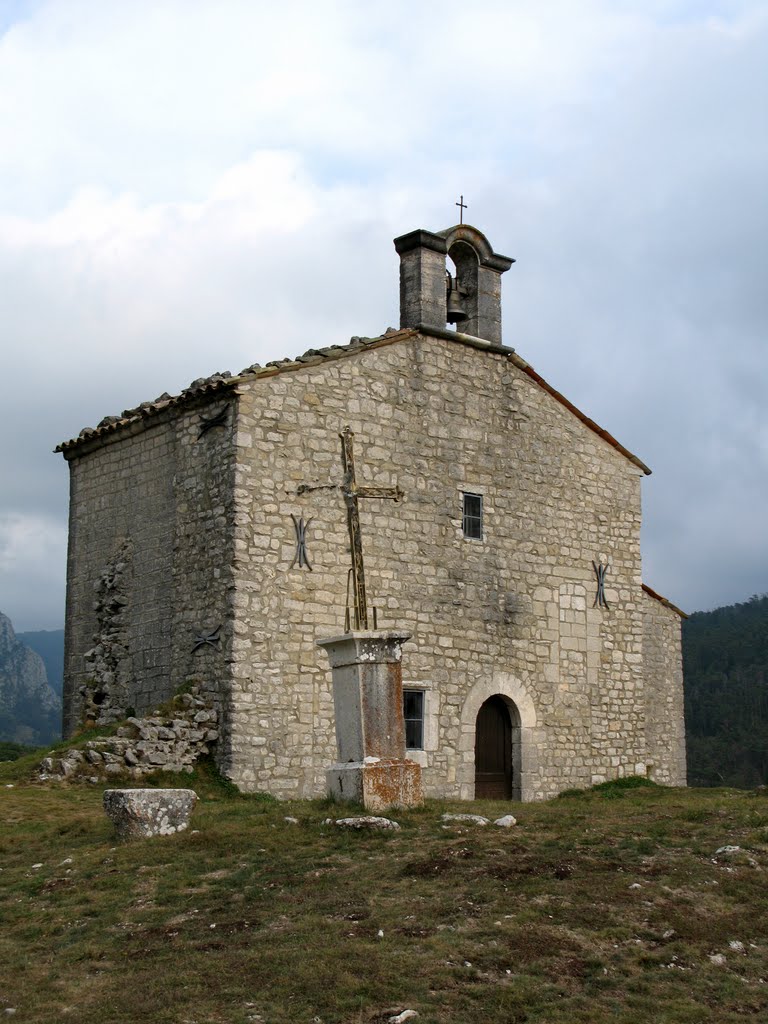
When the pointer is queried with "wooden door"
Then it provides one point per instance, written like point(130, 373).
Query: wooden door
point(493, 751)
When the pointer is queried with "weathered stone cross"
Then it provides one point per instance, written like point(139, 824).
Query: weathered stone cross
point(352, 493)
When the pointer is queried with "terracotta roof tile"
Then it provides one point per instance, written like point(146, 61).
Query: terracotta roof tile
point(664, 601)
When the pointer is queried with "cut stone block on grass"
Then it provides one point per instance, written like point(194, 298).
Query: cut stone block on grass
point(142, 813)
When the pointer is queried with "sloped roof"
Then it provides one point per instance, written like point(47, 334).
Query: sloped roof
point(206, 388)
point(664, 601)
point(218, 383)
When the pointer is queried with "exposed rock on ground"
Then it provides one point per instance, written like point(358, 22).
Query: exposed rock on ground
point(507, 821)
point(368, 821)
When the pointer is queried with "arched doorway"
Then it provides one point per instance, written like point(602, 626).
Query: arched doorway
point(497, 750)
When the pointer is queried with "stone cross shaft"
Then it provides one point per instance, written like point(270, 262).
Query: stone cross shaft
point(352, 493)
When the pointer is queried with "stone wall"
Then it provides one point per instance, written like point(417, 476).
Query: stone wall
point(121, 522)
point(149, 566)
point(512, 612)
point(204, 558)
point(665, 724)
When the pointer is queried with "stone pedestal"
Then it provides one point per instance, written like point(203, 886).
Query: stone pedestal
point(372, 768)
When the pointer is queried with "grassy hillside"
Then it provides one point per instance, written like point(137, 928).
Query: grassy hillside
point(725, 657)
point(611, 906)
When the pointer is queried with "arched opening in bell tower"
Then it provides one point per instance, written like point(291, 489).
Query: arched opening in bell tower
point(461, 282)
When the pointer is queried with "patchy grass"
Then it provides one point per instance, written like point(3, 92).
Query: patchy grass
point(593, 909)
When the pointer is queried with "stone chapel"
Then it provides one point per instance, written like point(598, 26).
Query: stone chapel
point(209, 544)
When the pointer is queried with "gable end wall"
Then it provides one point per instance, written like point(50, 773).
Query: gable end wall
point(513, 611)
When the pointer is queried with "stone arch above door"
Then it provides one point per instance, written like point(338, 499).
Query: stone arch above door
point(515, 693)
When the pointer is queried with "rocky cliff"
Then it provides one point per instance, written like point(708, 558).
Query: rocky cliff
point(30, 712)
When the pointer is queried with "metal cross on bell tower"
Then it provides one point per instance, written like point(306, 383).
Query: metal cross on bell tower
point(352, 493)
point(462, 207)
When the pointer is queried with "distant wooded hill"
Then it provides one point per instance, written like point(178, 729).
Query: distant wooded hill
point(725, 661)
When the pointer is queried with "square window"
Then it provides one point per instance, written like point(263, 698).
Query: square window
point(472, 516)
point(413, 712)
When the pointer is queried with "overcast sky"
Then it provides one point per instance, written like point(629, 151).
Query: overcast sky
point(188, 187)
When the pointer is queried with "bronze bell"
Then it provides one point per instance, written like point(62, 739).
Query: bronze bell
point(455, 311)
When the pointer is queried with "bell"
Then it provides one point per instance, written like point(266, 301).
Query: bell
point(455, 311)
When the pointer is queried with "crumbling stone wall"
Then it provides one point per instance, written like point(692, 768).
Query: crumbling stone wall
point(121, 500)
point(172, 742)
point(150, 564)
point(106, 694)
point(664, 712)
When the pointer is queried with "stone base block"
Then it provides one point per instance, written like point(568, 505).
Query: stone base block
point(377, 783)
point(139, 813)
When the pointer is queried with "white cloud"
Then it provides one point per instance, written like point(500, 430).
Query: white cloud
point(186, 187)
point(26, 541)
point(29, 593)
